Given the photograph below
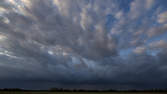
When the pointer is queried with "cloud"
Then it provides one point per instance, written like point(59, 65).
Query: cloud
point(149, 3)
point(156, 31)
point(139, 50)
point(138, 8)
point(119, 15)
point(77, 44)
point(162, 17)
point(161, 44)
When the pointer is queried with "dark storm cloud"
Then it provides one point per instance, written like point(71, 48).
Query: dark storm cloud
point(53, 43)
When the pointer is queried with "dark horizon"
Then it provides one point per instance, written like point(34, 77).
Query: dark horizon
point(86, 90)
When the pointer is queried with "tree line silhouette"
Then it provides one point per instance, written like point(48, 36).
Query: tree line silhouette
point(81, 90)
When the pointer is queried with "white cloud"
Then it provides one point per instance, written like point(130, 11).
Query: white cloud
point(139, 50)
point(158, 44)
point(86, 19)
point(63, 6)
point(2, 10)
point(149, 3)
point(156, 31)
point(139, 7)
point(119, 15)
point(2, 37)
point(162, 17)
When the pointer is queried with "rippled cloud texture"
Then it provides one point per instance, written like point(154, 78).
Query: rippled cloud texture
point(90, 44)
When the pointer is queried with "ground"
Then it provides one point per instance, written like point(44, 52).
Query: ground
point(13, 92)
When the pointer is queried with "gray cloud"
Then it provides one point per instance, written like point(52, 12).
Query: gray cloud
point(65, 43)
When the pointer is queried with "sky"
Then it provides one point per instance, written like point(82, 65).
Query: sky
point(83, 44)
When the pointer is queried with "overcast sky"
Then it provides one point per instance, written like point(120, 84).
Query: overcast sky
point(88, 44)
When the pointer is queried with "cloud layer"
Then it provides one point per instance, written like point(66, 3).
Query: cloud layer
point(88, 44)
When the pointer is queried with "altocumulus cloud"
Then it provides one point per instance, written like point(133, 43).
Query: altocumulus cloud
point(91, 44)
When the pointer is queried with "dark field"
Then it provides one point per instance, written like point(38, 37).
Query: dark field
point(15, 92)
